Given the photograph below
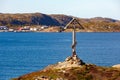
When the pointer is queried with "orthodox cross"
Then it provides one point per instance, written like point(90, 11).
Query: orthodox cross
point(74, 24)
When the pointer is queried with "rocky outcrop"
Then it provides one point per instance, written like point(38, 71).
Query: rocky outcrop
point(72, 61)
point(116, 66)
point(73, 68)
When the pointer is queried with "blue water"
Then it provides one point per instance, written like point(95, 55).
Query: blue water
point(22, 53)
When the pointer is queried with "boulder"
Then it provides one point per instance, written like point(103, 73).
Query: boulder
point(116, 66)
point(72, 61)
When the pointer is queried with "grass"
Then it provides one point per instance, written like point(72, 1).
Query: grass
point(86, 72)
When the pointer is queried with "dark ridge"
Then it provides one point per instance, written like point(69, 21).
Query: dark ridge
point(28, 19)
point(62, 19)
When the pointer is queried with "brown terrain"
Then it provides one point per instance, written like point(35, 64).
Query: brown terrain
point(97, 24)
point(73, 68)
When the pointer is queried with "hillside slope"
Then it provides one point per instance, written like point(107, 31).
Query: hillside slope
point(73, 69)
point(27, 19)
point(97, 24)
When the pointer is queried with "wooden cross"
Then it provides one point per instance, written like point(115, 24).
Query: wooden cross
point(72, 24)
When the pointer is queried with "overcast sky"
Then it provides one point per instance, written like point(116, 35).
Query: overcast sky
point(78, 8)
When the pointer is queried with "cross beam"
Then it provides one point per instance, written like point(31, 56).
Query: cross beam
point(74, 42)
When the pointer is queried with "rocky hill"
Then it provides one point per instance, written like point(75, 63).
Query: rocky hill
point(62, 19)
point(27, 19)
point(73, 68)
point(97, 24)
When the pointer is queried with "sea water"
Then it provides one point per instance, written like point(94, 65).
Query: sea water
point(22, 53)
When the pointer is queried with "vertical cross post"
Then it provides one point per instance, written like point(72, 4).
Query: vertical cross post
point(72, 24)
point(74, 41)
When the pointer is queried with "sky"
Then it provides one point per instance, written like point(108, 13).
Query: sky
point(77, 8)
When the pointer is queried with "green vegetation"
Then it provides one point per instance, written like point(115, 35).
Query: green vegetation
point(86, 72)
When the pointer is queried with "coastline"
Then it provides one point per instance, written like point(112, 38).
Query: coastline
point(68, 70)
point(58, 29)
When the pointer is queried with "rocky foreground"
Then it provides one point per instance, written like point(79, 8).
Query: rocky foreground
point(73, 68)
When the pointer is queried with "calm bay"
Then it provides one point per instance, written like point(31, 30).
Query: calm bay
point(22, 53)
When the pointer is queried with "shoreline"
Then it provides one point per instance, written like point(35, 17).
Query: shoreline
point(59, 32)
point(70, 69)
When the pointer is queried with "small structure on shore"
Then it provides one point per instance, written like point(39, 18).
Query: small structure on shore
point(3, 28)
point(74, 60)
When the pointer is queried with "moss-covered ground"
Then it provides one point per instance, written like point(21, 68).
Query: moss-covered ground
point(86, 72)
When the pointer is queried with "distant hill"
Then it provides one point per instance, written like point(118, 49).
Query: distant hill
point(33, 19)
point(27, 19)
point(62, 19)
